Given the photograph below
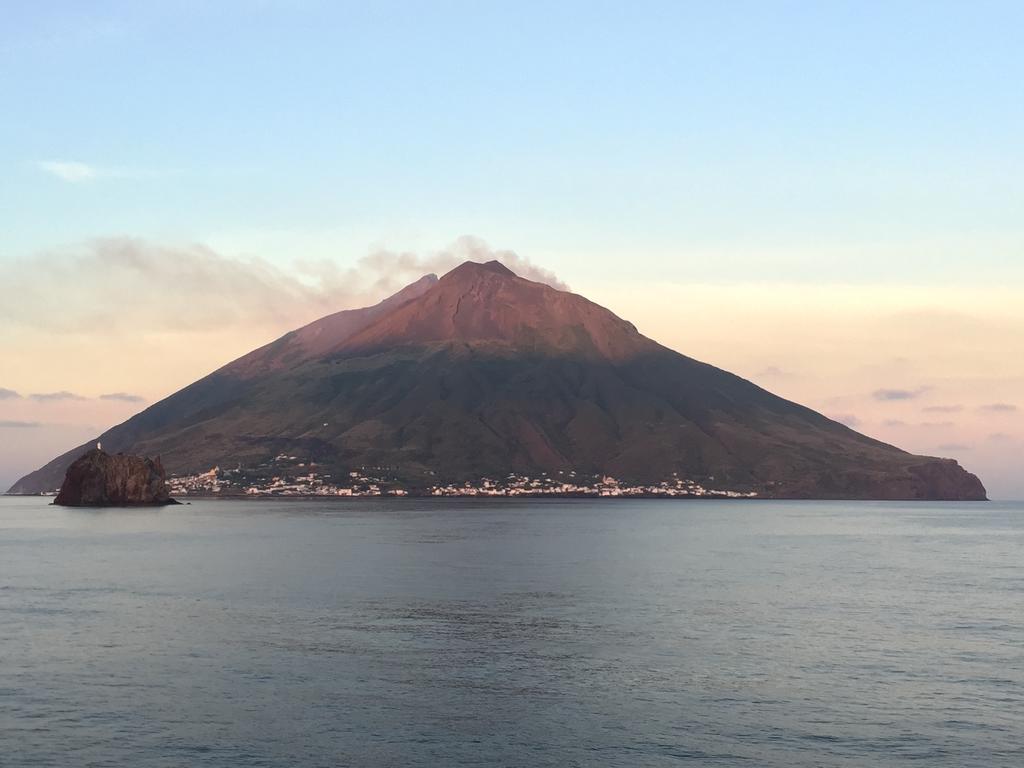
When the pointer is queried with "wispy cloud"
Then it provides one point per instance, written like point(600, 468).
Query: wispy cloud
point(70, 171)
point(773, 372)
point(393, 269)
point(899, 423)
point(105, 287)
point(898, 394)
point(943, 409)
point(9, 424)
point(846, 418)
point(48, 397)
point(123, 397)
point(77, 172)
point(998, 408)
point(8, 394)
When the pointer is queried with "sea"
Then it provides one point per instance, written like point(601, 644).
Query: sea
point(447, 632)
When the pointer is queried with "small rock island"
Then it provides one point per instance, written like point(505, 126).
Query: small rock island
point(98, 479)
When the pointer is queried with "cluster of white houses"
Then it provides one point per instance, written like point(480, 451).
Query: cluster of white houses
point(305, 481)
point(569, 485)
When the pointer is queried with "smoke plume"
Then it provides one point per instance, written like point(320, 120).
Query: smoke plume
point(126, 285)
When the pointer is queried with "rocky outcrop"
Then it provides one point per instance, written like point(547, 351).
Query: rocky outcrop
point(98, 479)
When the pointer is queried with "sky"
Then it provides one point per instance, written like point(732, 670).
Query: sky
point(826, 198)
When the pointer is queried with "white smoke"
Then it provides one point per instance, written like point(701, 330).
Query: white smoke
point(125, 285)
point(387, 271)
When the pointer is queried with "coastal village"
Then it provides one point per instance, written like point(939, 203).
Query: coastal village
point(290, 476)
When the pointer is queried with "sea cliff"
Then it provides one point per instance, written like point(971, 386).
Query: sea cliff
point(98, 479)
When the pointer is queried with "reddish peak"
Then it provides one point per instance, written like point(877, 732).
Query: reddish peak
point(473, 269)
point(410, 291)
point(488, 303)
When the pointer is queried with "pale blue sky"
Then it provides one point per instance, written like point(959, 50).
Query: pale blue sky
point(804, 141)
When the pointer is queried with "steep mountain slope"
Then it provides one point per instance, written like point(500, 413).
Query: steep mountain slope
point(321, 336)
point(482, 373)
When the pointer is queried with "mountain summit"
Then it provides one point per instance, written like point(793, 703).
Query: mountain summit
point(489, 304)
point(481, 373)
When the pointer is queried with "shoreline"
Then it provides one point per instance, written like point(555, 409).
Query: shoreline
point(185, 500)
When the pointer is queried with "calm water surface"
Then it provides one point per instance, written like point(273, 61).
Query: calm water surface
point(512, 633)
